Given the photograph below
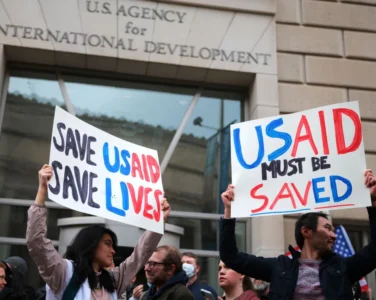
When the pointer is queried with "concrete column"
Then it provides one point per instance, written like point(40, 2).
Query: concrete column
point(2, 67)
point(265, 235)
point(4, 211)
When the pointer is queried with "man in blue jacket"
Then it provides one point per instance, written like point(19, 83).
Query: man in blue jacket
point(315, 273)
point(191, 266)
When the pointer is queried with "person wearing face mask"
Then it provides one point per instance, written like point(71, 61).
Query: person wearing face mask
point(261, 288)
point(191, 267)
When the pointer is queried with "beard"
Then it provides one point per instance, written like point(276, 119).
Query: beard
point(321, 245)
point(160, 279)
point(324, 250)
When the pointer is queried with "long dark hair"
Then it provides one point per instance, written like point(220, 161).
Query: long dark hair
point(82, 251)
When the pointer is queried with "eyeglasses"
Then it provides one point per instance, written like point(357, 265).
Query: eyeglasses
point(153, 263)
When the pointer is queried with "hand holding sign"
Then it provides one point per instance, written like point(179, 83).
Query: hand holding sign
point(370, 182)
point(166, 209)
point(44, 176)
point(227, 197)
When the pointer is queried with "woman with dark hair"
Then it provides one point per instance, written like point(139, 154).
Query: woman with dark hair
point(235, 285)
point(84, 271)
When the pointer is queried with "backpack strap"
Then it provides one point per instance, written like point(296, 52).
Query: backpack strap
point(71, 290)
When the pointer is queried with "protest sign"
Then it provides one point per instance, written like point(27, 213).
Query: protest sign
point(102, 175)
point(307, 161)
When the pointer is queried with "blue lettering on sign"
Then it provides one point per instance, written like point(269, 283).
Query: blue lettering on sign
point(106, 159)
point(317, 190)
point(271, 132)
point(333, 179)
point(238, 148)
point(333, 185)
point(124, 167)
point(125, 198)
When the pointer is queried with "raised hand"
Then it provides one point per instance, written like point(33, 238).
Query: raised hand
point(44, 175)
point(228, 196)
point(165, 208)
point(370, 182)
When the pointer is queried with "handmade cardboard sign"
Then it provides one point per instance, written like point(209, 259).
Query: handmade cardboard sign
point(102, 175)
point(307, 161)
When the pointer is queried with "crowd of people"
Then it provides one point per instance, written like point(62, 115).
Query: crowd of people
point(86, 271)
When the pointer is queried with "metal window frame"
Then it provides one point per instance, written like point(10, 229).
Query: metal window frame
point(20, 241)
point(173, 214)
point(64, 92)
point(179, 132)
point(3, 96)
point(166, 159)
point(201, 253)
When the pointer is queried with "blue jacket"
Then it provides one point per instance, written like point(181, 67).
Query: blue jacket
point(196, 290)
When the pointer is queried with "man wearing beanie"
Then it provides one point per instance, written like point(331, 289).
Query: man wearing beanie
point(15, 274)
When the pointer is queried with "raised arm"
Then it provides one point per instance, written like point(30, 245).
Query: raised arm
point(141, 253)
point(364, 261)
point(243, 263)
point(52, 267)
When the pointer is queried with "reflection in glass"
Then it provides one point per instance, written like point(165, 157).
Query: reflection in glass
point(26, 132)
point(144, 114)
point(13, 221)
point(191, 178)
point(203, 234)
point(209, 272)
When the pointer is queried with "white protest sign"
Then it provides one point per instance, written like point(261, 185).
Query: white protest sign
point(307, 161)
point(102, 175)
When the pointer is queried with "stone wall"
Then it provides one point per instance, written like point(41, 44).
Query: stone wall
point(326, 54)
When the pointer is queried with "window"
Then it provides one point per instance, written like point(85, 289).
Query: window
point(142, 113)
point(13, 220)
point(204, 234)
point(197, 163)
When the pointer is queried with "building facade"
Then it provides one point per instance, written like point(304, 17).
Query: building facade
point(173, 75)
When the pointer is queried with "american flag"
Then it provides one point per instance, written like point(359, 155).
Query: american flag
point(343, 247)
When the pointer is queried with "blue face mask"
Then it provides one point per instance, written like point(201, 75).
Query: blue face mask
point(189, 270)
point(149, 284)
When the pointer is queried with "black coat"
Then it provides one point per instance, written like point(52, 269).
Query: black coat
point(336, 275)
point(174, 289)
point(8, 294)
